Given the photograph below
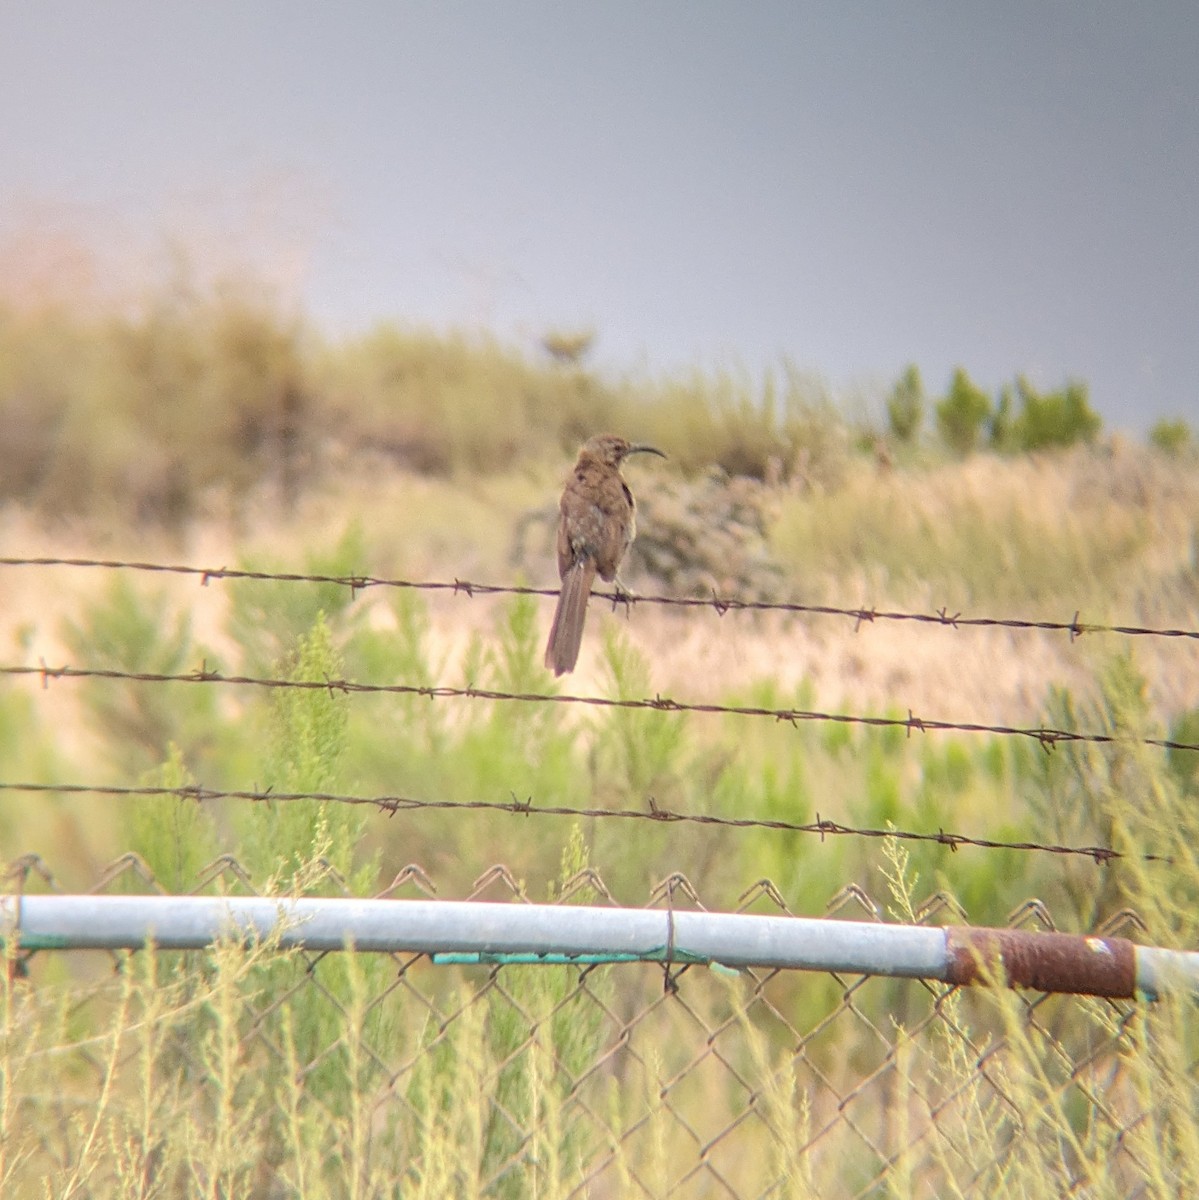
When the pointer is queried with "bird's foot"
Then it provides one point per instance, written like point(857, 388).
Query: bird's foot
point(622, 595)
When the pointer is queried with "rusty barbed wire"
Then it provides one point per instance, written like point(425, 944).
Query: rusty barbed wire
point(1047, 737)
point(392, 804)
point(859, 614)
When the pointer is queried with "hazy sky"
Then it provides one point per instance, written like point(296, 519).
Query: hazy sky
point(1011, 186)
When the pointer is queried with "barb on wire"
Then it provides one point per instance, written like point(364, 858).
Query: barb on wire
point(392, 804)
point(859, 614)
point(1048, 738)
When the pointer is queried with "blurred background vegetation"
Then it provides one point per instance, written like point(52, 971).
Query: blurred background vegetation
point(203, 404)
point(146, 411)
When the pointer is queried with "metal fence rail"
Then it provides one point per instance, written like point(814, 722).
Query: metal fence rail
point(573, 935)
point(289, 1071)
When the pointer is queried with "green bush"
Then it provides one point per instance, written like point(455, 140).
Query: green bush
point(1054, 419)
point(140, 631)
point(1002, 432)
point(905, 405)
point(1172, 438)
point(962, 413)
point(143, 415)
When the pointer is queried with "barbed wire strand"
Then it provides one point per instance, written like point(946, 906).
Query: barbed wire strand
point(1047, 737)
point(860, 615)
point(392, 804)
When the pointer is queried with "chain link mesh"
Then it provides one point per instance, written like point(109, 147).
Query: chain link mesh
point(402, 1077)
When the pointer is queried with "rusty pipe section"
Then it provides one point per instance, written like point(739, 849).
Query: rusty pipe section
point(1045, 962)
point(1066, 962)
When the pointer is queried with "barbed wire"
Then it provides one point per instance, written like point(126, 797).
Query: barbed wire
point(860, 615)
point(1047, 737)
point(392, 804)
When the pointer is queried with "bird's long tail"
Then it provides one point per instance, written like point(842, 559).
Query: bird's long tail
point(566, 633)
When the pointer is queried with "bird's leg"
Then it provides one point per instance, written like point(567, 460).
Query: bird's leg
point(622, 595)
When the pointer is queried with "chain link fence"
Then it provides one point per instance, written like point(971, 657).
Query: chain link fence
point(254, 1071)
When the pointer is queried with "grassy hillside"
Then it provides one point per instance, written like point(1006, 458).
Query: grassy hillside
point(202, 425)
point(209, 431)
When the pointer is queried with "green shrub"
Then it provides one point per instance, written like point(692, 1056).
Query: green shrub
point(141, 632)
point(905, 405)
point(1002, 432)
point(1172, 438)
point(962, 413)
point(1053, 419)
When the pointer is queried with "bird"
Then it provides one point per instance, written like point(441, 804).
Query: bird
point(596, 526)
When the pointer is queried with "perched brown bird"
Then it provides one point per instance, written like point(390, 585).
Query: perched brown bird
point(597, 525)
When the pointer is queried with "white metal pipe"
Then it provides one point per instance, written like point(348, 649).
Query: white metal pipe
point(431, 926)
point(1160, 970)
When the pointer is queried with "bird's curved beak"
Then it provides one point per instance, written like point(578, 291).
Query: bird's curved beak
point(641, 448)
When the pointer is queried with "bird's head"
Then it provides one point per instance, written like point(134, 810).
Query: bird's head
point(612, 450)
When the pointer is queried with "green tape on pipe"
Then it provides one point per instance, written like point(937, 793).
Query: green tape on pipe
point(476, 958)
